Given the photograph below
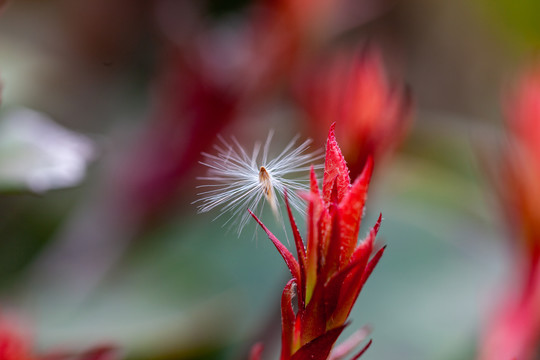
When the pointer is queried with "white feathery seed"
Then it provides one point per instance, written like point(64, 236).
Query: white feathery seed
point(238, 181)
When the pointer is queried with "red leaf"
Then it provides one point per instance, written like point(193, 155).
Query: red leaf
point(352, 285)
point(319, 348)
point(370, 266)
point(14, 340)
point(337, 286)
point(364, 349)
point(333, 193)
point(335, 167)
point(101, 352)
point(315, 208)
point(324, 231)
point(291, 262)
point(351, 211)
point(365, 247)
point(340, 351)
point(287, 320)
point(313, 183)
point(301, 253)
point(314, 317)
point(256, 351)
point(105, 352)
point(332, 250)
point(378, 224)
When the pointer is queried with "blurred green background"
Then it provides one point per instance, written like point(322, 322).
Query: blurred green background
point(102, 255)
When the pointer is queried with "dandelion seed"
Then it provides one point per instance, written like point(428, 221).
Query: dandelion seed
point(238, 181)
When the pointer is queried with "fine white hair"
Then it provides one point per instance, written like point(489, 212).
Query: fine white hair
point(234, 182)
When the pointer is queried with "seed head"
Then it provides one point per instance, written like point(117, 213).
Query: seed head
point(238, 181)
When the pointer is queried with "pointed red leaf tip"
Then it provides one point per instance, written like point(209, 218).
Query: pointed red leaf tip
point(365, 248)
point(297, 238)
point(371, 266)
point(347, 347)
point(291, 262)
point(315, 202)
point(364, 349)
point(335, 167)
point(256, 351)
point(378, 224)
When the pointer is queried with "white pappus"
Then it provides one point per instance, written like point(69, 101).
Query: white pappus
point(238, 181)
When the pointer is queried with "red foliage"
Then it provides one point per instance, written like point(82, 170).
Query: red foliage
point(17, 344)
point(328, 275)
point(373, 114)
point(14, 343)
point(514, 330)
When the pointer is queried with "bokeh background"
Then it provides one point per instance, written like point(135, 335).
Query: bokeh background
point(106, 106)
